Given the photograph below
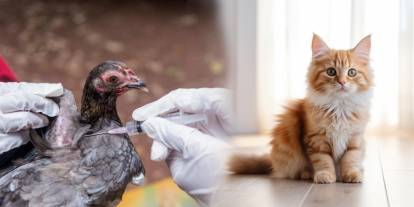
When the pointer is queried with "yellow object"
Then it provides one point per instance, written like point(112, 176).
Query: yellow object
point(164, 193)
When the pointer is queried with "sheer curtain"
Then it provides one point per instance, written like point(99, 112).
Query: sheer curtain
point(285, 30)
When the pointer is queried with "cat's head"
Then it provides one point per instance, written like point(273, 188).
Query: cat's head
point(340, 72)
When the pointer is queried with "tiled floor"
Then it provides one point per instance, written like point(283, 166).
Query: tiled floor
point(388, 181)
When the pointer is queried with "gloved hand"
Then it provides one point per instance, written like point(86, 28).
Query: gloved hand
point(24, 106)
point(194, 155)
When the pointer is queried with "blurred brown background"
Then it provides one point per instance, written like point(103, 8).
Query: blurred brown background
point(170, 44)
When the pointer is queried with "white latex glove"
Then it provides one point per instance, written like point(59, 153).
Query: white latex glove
point(194, 155)
point(24, 106)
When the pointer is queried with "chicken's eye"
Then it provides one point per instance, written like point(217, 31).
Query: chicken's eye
point(113, 79)
point(331, 71)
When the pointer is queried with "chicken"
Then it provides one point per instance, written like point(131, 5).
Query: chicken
point(73, 169)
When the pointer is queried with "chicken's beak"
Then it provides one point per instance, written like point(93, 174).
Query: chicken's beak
point(138, 85)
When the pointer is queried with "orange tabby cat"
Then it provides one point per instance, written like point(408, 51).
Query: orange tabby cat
point(321, 136)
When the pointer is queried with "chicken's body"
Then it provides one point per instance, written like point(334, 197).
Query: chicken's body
point(94, 174)
point(92, 171)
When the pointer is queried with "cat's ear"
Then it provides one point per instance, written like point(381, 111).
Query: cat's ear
point(319, 47)
point(362, 49)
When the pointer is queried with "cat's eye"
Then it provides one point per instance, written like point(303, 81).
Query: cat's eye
point(352, 72)
point(331, 71)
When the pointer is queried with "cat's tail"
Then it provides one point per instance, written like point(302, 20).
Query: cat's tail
point(250, 164)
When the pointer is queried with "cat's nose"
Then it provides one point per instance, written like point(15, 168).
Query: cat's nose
point(342, 82)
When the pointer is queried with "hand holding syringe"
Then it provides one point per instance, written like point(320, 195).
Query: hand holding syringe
point(191, 152)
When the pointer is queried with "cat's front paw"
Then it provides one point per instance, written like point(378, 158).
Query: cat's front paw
point(352, 176)
point(324, 177)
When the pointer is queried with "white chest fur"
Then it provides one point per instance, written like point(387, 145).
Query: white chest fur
point(340, 127)
point(339, 133)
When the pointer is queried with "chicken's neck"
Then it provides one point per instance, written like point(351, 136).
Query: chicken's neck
point(98, 109)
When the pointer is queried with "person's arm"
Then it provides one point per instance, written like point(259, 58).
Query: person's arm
point(6, 74)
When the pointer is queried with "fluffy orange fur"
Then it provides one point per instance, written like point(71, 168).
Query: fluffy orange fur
point(320, 137)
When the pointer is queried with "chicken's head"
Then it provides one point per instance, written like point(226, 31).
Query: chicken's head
point(114, 77)
point(104, 84)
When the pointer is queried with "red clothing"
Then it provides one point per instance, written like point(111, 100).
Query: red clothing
point(6, 75)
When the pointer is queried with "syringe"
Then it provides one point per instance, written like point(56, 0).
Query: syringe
point(134, 127)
